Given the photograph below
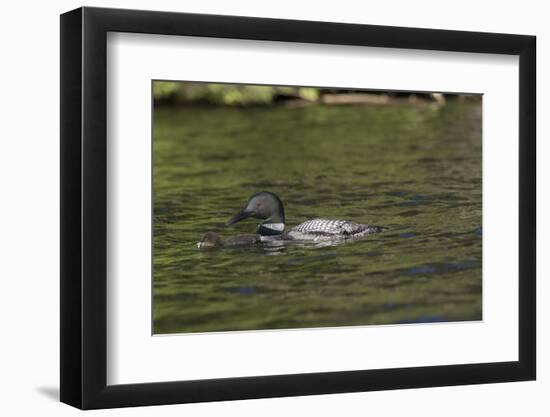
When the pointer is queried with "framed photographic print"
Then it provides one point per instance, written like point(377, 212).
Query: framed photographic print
point(257, 208)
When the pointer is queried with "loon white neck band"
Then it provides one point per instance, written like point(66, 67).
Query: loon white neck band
point(279, 227)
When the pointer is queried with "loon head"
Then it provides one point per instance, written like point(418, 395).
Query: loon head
point(267, 207)
point(210, 240)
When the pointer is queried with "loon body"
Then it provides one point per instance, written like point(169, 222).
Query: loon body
point(268, 207)
point(318, 228)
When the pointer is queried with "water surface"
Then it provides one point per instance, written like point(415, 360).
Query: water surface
point(414, 169)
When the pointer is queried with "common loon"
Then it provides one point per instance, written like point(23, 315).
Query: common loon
point(268, 207)
point(214, 240)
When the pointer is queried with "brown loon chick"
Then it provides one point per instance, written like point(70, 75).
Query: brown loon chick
point(214, 240)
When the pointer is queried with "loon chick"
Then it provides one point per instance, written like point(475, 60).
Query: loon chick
point(268, 207)
point(214, 240)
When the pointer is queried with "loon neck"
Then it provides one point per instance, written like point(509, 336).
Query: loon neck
point(270, 229)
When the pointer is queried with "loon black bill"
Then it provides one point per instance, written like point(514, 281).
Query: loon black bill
point(238, 217)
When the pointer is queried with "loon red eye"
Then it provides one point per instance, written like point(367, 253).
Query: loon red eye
point(258, 204)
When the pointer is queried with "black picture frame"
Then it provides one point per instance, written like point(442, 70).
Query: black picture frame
point(84, 207)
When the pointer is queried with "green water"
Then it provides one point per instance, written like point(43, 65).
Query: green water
point(414, 169)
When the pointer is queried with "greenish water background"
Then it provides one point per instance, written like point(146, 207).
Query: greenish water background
point(413, 169)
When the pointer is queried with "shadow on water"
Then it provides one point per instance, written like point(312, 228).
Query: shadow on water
point(415, 171)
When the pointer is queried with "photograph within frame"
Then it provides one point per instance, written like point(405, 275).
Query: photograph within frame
point(403, 168)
